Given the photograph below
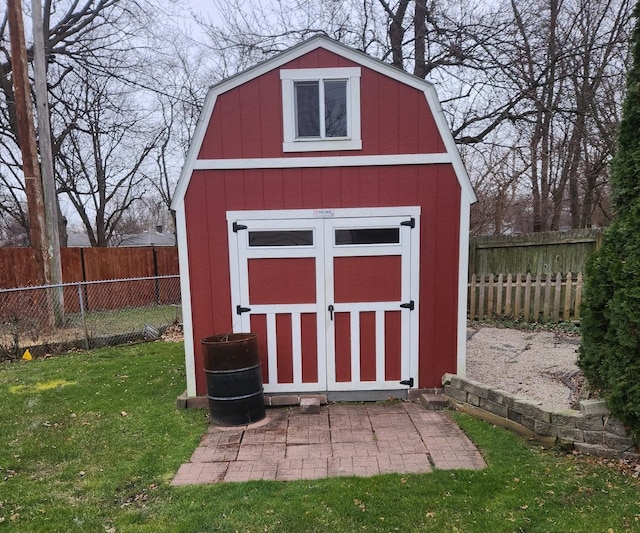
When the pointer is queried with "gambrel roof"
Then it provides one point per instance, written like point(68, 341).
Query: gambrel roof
point(451, 156)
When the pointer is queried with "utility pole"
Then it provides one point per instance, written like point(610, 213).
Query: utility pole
point(27, 139)
point(46, 159)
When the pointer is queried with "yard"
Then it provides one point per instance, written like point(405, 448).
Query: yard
point(90, 442)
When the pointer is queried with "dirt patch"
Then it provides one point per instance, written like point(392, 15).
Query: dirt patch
point(535, 365)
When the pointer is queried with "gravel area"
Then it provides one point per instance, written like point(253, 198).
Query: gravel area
point(535, 365)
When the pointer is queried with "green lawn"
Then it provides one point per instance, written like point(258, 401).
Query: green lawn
point(90, 442)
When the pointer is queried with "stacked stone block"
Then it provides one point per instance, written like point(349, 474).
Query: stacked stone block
point(590, 430)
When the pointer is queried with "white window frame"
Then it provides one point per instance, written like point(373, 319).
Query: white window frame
point(352, 141)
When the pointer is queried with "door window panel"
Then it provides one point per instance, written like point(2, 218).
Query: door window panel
point(367, 236)
point(281, 238)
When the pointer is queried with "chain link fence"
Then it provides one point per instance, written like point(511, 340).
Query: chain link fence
point(57, 318)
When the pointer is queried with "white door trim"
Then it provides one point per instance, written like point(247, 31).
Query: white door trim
point(323, 222)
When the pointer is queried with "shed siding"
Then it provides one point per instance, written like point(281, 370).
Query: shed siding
point(434, 187)
point(247, 121)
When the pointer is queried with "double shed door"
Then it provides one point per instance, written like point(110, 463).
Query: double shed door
point(332, 298)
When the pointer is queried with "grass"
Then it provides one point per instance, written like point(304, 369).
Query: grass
point(90, 442)
point(130, 319)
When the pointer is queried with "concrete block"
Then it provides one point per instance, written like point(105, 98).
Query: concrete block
point(197, 402)
point(456, 381)
point(565, 445)
point(498, 396)
point(545, 429)
point(570, 433)
point(529, 423)
point(595, 407)
point(594, 437)
point(322, 398)
point(532, 409)
point(284, 399)
point(446, 379)
point(515, 416)
point(433, 402)
point(632, 455)
point(565, 417)
point(616, 442)
point(473, 399)
point(415, 394)
point(493, 407)
point(476, 388)
point(454, 393)
point(181, 401)
point(595, 423)
point(597, 450)
point(613, 425)
point(310, 406)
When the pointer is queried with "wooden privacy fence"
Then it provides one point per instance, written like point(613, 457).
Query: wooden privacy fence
point(18, 269)
point(553, 297)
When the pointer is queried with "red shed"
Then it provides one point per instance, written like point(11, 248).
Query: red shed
point(324, 205)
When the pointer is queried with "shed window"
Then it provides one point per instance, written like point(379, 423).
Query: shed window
point(367, 236)
point(281, 238)
point(321, 109)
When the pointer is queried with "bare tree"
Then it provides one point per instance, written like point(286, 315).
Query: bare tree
point(569, 66)
point(538, 82)
point(104, 160)
point(104, 40)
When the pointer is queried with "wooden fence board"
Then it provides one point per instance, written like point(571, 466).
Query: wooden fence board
point(548, 252)
point(555, 297)
point(17, 268)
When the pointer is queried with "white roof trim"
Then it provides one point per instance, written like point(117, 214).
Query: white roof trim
point(321, 41)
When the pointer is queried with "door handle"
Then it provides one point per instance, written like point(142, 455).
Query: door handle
point(331, 311)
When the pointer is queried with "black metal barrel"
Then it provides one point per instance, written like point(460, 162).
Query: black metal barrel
point(234, 379)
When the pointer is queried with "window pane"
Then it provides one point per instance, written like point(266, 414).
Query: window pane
point(368, 236)
point(307, 109)
point(335, 108)
point(281, 238)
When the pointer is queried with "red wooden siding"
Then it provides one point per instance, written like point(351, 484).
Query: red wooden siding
point(368, 346)
point(282, 281)
point(392, 341)
point(367, 278)
point(309, 332)
point(247, 121)
point(433, 187)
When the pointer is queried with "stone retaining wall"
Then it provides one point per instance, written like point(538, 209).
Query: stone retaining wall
point(589, 430)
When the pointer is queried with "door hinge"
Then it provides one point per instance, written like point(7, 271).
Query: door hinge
point(237, 227)
point(240, 309)
point(411, 223)
point(408, 382)
point(410, 306)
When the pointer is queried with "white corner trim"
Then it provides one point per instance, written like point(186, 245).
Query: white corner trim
point(445, 133)
point(463, 272)
point(322, 162)
point(194, 149)
point(185, 289)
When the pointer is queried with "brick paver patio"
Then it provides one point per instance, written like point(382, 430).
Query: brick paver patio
point(342, 440)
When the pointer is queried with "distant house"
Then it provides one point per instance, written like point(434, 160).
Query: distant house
point(324, 205)
point(151, 237)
